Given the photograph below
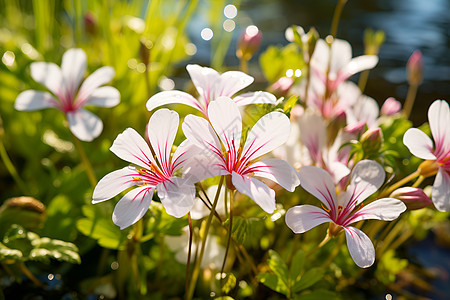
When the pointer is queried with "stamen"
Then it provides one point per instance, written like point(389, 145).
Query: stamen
point(324, 208)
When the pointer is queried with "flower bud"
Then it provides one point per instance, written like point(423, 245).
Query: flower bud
point(414, 198)
point(414, 68)
point(373, 41)
point(372, 140)
point(90, 23)
point(144, 50)
point(281, 87)
point(391, 107)
point(249, 42)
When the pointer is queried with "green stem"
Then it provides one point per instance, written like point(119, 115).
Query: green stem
point(228, 241)
point(11, 169)
point(196, 271)
point(418, 181)
point(400, 183)
point(409, 102)
point(322, 243)
point(336, 17)
point(30, 275)
point(335, 252)
point(363, 80)
point(390, 237)
point(85, 161)
point(244, 65)
point(188, 263)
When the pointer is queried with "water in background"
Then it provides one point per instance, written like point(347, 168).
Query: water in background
point(408, 24)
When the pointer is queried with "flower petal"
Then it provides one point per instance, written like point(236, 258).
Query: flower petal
point(34, 100)
point(84, 125)
point(304, 217)
point(319, 183)
point(341, 55)
point(49, 75)
point(132, 207)
point(270, 132)
point(114, 183)
point(73, 68)
point(386, 209)
point(419, 144)
point(439, 118)
point(177, 195)
point(255, 97)
point(256, 190)
point(105, 96)
point(366, 178)
point(276, 170)
point(171, 97)
point(232, 82)
point(360, 247)
point(93, 81)
point(226, 120)
point(358, 64)
point(440, 195)
point(205, 80)
point(313, 134)
point(161, 130)
point(131, 147)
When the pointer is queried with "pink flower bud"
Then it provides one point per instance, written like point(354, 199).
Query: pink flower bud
point(414, 198)
point(372, 140)
point(355, 128)
point(281, 87)
point(391, 107)
point(249, 42)
point(90, 23)
point(414, 68)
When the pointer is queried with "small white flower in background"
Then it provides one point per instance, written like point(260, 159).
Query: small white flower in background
point(68, 96)
point(366, 178)
point(176, 193)
point(211, 85)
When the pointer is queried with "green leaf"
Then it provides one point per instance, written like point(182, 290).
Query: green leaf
point(308, 279)
point(298, 261)
point(278, 266)
point(273, 282)
point(45, 248)
point(275, 61)
point(61, 219)
point(289, 104)
point(318, 295)
point(7, 253)
point(243, 229)
point(162, 223)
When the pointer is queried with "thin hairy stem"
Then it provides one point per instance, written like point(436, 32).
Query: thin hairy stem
point(85, 161)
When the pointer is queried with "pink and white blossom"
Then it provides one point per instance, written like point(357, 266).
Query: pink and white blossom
point(241, 164)
point(422, 146)
point(210, 86)
point(68, 96)
point(366, 178)
point(147, 174)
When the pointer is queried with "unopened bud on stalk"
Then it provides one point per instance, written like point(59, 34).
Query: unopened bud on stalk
point(281, 87)
point(313, 37)
point(90, 23)
point(391, 107)
point(356, 128)
point(414, 68)
point(373, 41)
point(144, 50)
point(249, 43)
point(428, 168)
point(414, 198)
point(371, 140)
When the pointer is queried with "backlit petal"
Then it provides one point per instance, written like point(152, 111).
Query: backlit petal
point(304, 217)
point(131, 147)
point(232, 82)
point(255, 97)
point(278, 171)
point(105, 96)
point(95, 80)
point(358, 64)
point(319, 183)
point(171, 97)
point(419, 143)
point(386, 209)
point(84, 125)
point(177, 195)
point(73, 68)
point(440, 195)
point(256, 190)
point(34, 100)
point(360, 247)
point(114, 183)
point(270, 132)
point(439, 119)
point(205, 81)
point(132, 207)
point(49, 75)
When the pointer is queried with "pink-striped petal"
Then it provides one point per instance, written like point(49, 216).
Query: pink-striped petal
point(177, 195)
point(304, 217)
point(360, 247)
point(341, 55)
point(95, 80)
point(73, 68)
point(440, 195)
point(256, 190)
point(386, 209)
point(313, 134)
point(34, 100)
point(133, 206)
point(232, 82)
point(205, 81)
point(171, 97)
point(105, 96)
point(131, 147)
point(226, 120)
point(419, 143)
point(319, 183)
point(270, 132)
point(276, 170)
point(161, 130)
point(255, 97)
point(439, 119)
point(49, 75)
point(84, 125)
point(358, 64)
point(114, 183)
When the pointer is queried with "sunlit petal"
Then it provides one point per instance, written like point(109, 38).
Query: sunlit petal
point(95, 80)
point(360, 247)
point(278, 171)
point(105, 96)
point(73, 68)
point(132, 207)
point(255, 97)
point(114, 183)
point(256, 190)
point(177, 195)
point(49, 75)
point(34, 100)
point(171, 97)
point(304, 217)
point(319, 183)
point(440, 195)
point(386, 209)
point(84, 125)
point(439, 119)
point(419, 143)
